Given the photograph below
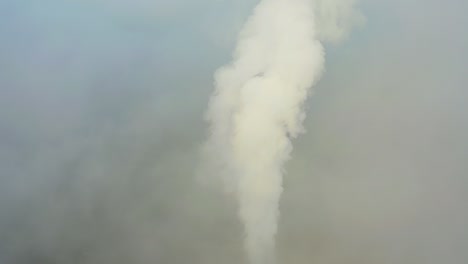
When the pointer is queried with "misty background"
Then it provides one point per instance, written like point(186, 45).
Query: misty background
point(101, 123)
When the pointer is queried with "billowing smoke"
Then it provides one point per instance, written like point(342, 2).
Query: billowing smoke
point(258, 107)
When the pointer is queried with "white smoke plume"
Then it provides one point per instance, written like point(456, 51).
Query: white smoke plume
point(258, 106)
point(335, 19)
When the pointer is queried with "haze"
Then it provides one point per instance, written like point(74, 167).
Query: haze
point(101, 124)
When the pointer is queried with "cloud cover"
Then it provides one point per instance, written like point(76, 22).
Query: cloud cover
point(100, 133)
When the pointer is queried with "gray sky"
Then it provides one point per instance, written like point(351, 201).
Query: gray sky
point(101, 120)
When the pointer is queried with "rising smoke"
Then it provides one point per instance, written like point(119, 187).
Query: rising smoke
point(258, 106)
point(100, 105)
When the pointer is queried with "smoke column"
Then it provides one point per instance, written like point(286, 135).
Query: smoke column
point(257, 107)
